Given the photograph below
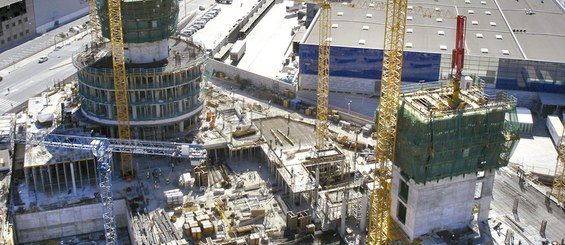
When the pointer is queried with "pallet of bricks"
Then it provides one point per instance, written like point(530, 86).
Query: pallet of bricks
point(173, 197)
point(197, 223)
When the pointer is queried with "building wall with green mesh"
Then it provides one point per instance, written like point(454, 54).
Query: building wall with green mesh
point(441, 146)
point(143, 20)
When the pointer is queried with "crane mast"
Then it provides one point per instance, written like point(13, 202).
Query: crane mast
point(120, 81)
point(323, 76)
point(380, 202)
point(94, 23)
point(458, 57)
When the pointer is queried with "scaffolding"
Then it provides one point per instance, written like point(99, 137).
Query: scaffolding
point(143, 20)
point(436, 143)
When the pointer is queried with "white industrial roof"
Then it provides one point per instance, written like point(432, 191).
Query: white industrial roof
point(503, 25)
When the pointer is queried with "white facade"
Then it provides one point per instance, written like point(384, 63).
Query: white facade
point(142, 53)
point(442, 204)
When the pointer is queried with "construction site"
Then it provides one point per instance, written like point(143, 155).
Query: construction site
point(152, 143)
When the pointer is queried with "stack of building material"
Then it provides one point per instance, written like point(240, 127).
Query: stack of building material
point(253, 239)
point(154, 228)
point(310, 229)
point(186, 181)
point(196, 233)
point(173, 197)
point(298, 222)
point(201, 175)
point(257, 212)
point(186, 229)
point(207, 227)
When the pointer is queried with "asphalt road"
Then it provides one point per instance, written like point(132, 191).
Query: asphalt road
point(28, 77)
point(23, 77)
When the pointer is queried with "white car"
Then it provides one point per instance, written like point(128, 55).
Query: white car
point(42, 59)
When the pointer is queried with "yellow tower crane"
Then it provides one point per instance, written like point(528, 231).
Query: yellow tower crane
point(322, 104)
point(380, 202)
point(120, 81)
point(94, 23)
point(324, 42)
point(558, 189)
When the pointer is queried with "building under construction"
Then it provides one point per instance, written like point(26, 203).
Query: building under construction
point(446, 159)
point(164, 74)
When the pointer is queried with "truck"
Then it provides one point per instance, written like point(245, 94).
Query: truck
point(237, 51)
point(555, 128)
point(293, 7)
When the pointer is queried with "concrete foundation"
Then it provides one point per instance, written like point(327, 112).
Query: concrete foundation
point(449, 203)
point(41, 226)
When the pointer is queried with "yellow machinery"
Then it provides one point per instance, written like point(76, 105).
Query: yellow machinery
point(380, 202)
point(322, 104)
point(220, 205)
point(120, 81)
point(95, 25)
point(558, 190)
point(323, 76)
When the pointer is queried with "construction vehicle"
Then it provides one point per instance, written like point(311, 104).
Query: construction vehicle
point(237, 50)
point(102, 149)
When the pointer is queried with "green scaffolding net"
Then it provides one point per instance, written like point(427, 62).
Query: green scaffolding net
point(143, 20)
point(440, 145)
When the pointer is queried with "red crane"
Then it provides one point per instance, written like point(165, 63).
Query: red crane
point(457, 61)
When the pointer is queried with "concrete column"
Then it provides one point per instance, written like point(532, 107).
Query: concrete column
point(42, 179)
point(65, 175)
point(26, 175)
point(57, 173)
point(80, 172)
point(88, 171)
point(363, 219)
point(50, 179)
point(109, 111)
point(33, 172)
point(133, 112)
point(73, 181)
point(96, 172)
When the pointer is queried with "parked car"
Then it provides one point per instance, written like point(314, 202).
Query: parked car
point(186, 33)
point(43, 59)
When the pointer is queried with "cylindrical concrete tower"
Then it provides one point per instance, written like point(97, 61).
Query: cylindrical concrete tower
point(164, 74)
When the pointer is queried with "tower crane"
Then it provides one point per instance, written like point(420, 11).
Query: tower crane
point(94, 23)
point(120, 82)
point(558, 189)
point(324, 41)
point(102, 149)
point(393, 53)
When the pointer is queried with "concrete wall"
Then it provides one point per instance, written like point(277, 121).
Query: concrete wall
point(256, 79)
point(41, 226)
point(341, 84)
point(437, 205)
point(52, 13)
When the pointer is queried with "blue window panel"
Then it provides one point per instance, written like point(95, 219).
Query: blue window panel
point(367, 63)
point(531, 75)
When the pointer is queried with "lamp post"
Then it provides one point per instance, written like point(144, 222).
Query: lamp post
point(349, 107)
